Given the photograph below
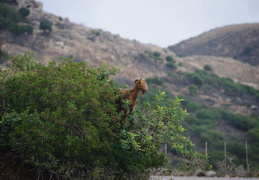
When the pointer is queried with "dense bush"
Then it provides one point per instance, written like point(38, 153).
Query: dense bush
point(204, 126)
point(7, 17)
point(240, 121)
point(171, 65)
point(155, 80)
point(154, 55)
point(191, 106)
point(170, 62)
point(254, 134)
point(45, 25)
point(20, 29)
point(169, 59)
point(193, 89)
point(247, 50)
point(24, 12)
point(63, 118)
point(202, 78)
point(197, 79)
point(207, 68)
point(212, 135)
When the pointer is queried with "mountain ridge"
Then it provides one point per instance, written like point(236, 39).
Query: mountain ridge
point(238, 41)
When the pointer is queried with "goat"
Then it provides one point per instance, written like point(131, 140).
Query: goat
point(132, 94)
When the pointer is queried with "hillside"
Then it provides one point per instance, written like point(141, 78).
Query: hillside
point(135, 60)
point(85, 44)
point(215, 73)
point(240, 42)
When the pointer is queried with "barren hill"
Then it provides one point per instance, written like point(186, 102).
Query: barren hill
point(240, 42)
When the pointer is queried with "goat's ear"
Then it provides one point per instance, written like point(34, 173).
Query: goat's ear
point(136, 81)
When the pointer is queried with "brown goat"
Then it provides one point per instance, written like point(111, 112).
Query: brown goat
point(132, 94)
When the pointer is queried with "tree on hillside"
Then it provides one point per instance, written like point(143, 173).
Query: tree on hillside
point(63, 118)
point(46, 25)
point(24, 12)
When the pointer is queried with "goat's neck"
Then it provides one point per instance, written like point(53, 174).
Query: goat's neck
point(135, 92)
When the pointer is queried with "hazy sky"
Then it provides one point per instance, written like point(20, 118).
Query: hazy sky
point(159, 22)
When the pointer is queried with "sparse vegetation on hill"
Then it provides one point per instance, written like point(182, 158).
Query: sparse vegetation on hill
point(216, 125)
point(236, 41)
point(211, 124)
point(202, 78)
point(9, 20)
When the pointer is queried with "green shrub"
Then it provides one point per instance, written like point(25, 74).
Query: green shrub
point(201, 122)
point(212, 135)
point(237, 149)
point(247, 50)
point(240, 121)
point(67, 122)
point(207, 68)
point(193, 89)
point(154, 55)
point(20, 29)
point(198, 129)
point(171, 65)
point(16, 29)
point(197, 80)
point(7, 17)
point(23, 62)
point(204, 114)
point(170, 59)
point(96, 33)
point(191, 106)
point(154, 80)
point(28, 29)
point(254, 134)
point(7, 123)
point(215, 157)
point(24, 12)
point(45, 25)
point(202, 78)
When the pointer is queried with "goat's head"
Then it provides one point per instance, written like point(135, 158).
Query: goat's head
point(142, 85)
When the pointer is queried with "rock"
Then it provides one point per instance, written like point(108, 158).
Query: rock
point(210, 173)
point(200, 173)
